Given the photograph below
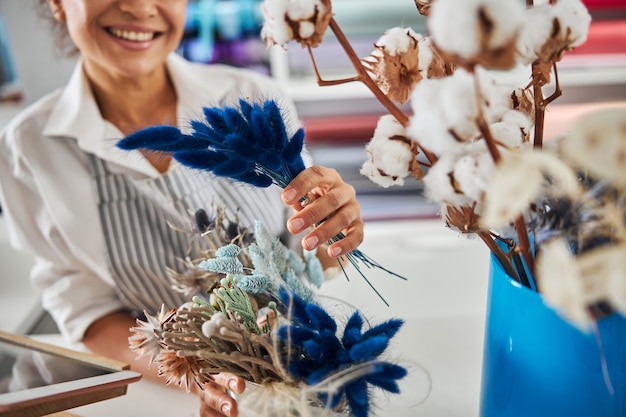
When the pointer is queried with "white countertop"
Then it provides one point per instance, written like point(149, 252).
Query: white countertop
point(443, 303)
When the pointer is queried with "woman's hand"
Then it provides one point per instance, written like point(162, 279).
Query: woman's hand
point(214, 398)
point(333, 201)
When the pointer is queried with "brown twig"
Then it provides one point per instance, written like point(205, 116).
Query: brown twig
point(499, 254)
point(523, 244)
point(557, 89)
point(540, 112)
point(325, 83)
point(520, 224)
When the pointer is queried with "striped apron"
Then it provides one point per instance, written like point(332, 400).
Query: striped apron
point(137, 218)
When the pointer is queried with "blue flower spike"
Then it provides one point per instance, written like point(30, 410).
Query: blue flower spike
point(249, 143)
point(339, 367)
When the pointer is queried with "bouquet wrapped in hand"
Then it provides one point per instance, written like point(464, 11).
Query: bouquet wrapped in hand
point(262, 320)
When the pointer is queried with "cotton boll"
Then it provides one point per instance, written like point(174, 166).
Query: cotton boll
point(477, 31)
point(575, 21)
point(598, 144)
point(275, 29)
point(520, 179)
point(390, 154)
point(394, 65)
point(550, 30)
point(398, 40)
point(473, 169)
point(535, 32)
point(306, 29)
point(302, 10)
point(427, 126)
point(445, 112)
point(506, 134)
point(513, 131)
point(617, 282)
point(304, 21)
point(458, 99)
point(440, 185)
point(431, 64)
point(425, 56)
point(560, 282)
point(604, 275)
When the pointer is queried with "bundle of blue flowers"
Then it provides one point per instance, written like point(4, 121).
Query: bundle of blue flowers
point(262, 319)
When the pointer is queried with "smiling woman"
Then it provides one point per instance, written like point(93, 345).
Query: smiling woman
point(98, 219)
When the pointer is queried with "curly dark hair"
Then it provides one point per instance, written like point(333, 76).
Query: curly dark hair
point(59, 29)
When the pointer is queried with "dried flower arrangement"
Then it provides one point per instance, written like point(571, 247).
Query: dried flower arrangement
point(256, 312)
point(263, 321)
point(553, 215)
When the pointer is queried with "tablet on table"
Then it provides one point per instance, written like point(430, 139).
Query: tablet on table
point(37, 378)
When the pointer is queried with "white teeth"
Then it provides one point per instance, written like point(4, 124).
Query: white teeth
point(132, 36)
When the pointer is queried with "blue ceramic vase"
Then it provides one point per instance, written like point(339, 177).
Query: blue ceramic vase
point(535, 364)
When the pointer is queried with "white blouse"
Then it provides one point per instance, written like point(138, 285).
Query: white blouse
point(46, 189)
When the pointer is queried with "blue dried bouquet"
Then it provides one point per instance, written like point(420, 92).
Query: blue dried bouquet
point(262, 320)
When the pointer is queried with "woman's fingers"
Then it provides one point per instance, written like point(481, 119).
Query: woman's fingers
point(332, 209)
point(230, 382)
point(309, 179)
point(215, 400)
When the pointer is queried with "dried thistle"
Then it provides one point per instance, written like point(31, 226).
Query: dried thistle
point(226, 346)
point(182, 370)
point(146, 337)
point(209, 235)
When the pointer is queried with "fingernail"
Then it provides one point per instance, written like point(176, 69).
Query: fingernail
point(232, 385)
point(225, 409)
point(289, 194)
point(296, 225)
point(335, 251)
point(310, 242)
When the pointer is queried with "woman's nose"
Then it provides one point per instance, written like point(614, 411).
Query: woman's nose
point(139, 8)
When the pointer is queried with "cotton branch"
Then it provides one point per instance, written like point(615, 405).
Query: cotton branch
point(364, 77)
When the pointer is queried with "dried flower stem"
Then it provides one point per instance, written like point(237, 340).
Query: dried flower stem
point(541, 103)
point(557, 88)
point(520, 224)
point(523, 244)
point(499, 253)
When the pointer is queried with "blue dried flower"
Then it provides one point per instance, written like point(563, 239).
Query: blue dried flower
point(318, 355)
point(223, 264)
point(256, 284)
point(314, 270)
point(248, 144)
point(230, 250)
